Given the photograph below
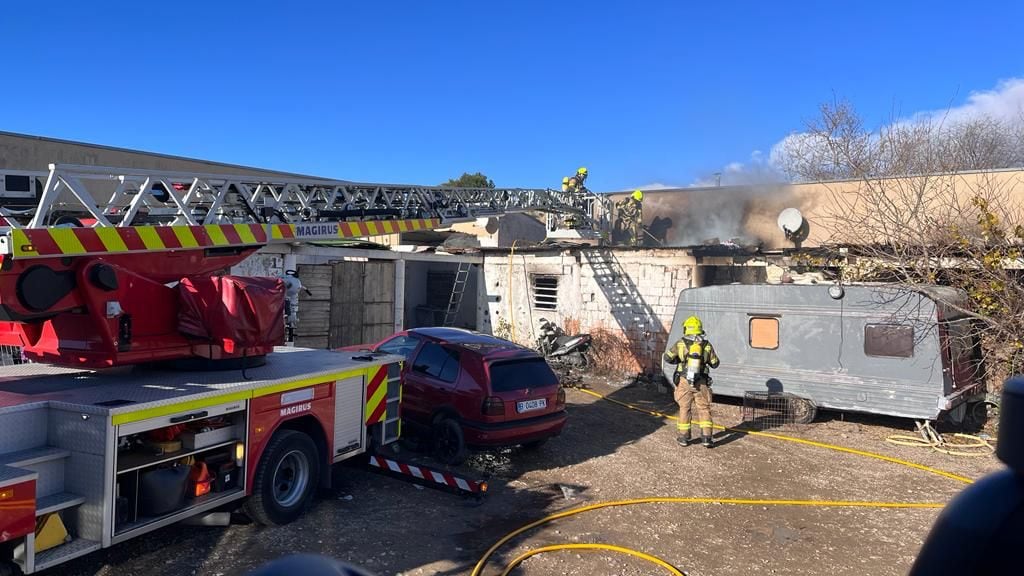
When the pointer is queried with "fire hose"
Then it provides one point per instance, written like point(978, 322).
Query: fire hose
point(930, 438)
point(479, 567)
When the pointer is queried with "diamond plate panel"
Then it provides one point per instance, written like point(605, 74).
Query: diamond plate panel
point(10, 475)
point(24, 428)
point(85, 474)
point(51, 476)
point(70, 431)
point(127, 391)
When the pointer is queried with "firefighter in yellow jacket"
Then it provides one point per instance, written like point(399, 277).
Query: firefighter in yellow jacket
point(693, 356)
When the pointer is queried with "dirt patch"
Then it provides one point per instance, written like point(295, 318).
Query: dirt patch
point(606, 452)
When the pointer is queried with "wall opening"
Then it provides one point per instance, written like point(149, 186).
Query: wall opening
point(545, 292)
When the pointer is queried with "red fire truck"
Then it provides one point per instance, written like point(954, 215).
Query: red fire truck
point(153, 388)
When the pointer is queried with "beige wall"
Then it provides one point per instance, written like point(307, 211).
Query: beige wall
point(751, 212)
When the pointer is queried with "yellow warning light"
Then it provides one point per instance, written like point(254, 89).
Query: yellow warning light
point(28, 248)
point(239, 452)
point(483, 486)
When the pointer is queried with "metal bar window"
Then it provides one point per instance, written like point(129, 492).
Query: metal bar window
point(545, 292)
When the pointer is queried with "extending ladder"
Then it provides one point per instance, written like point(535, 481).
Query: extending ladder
point(76, 210)
point(458, 290)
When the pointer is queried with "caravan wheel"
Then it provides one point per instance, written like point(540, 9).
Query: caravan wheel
point(985, 410)
point(803, 410)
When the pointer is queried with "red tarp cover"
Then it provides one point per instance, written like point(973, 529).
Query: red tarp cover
point(232, 311)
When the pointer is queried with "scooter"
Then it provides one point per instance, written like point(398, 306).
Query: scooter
point(557, 347)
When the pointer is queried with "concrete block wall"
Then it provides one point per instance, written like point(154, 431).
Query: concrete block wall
point(622, 294)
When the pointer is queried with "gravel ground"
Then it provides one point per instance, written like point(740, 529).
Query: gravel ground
point(606, 452)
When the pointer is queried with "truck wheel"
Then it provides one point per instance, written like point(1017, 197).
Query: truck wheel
point(286, 479)
point(449, 443)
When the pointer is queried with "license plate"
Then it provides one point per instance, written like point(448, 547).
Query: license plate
point(528, 405)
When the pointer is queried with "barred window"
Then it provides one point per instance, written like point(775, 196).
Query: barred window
point(545, 292)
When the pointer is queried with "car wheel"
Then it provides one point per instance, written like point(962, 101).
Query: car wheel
point(285, 480)
point(535, 444)
point(449, 443)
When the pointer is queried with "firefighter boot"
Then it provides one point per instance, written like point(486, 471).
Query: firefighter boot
point(683, 439)
point(708, 441)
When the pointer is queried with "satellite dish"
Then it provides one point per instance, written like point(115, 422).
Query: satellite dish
point(794, 226)
point(492, 226)
point(790, 221)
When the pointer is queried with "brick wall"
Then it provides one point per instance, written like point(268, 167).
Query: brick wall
point(625, 298)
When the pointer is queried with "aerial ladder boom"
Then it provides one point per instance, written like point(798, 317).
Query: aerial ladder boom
point(94, 274)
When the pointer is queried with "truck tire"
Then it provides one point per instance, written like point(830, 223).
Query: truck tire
point(448, 442)
point(286, 479)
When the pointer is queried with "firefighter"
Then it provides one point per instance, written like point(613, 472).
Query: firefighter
point(581, 178)
point(292, 287)
point(573, 184)
point(631, 214)
point(693, 356)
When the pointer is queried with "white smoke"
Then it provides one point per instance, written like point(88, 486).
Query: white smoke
point(1004, 103)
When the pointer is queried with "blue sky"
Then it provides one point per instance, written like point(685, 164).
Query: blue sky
point(526, 91)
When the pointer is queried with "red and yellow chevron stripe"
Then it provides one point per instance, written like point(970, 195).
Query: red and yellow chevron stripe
point(355, 229)
point(39, 242)
point(377, 395)
point(29, 242)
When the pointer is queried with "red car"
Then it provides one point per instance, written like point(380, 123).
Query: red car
point(471, 389)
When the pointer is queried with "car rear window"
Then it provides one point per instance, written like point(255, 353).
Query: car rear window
point(520, 374)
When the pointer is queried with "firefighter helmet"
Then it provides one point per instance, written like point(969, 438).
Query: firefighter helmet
point(638, 195)
point(693, 327)
point(582, 171)
point(565, 180)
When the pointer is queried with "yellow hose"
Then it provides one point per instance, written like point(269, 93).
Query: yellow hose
point(653, 559)
point(833, 447)
point(976, 446)
point(478, 569)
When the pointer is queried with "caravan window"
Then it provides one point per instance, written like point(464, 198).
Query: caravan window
point(889, 340)
point(764, 333)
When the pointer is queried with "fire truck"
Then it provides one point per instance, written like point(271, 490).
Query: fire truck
point(154, 387)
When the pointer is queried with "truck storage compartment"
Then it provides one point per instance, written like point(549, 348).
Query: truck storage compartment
point(184, 462)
